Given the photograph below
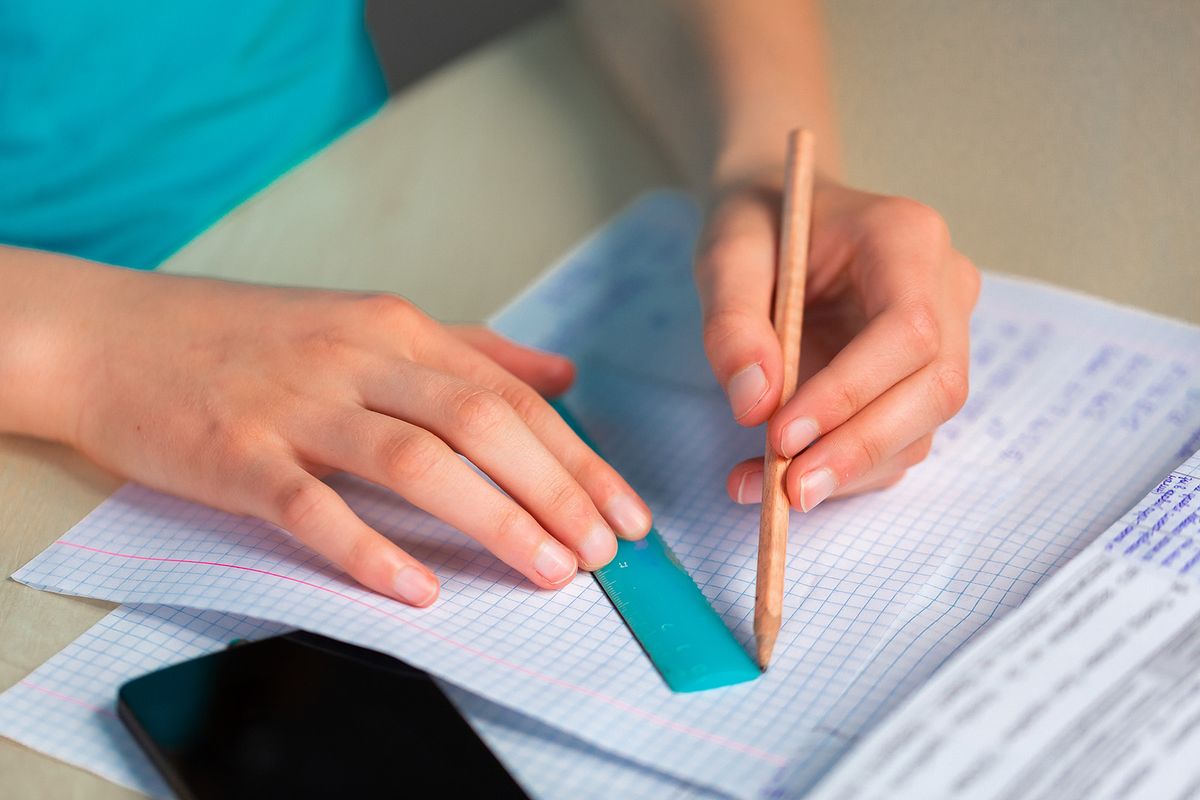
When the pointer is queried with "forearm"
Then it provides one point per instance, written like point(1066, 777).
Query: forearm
point(46, 310)
point(720, 82)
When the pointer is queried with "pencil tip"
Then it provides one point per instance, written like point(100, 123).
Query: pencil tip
point(766, 644)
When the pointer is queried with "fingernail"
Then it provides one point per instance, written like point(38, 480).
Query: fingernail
point(554, 563)
point(797, 435)
point(598, 547)
point(627, 516)
point(415, 586)
point(750, 489)
point(746, 389)
point(815, 487)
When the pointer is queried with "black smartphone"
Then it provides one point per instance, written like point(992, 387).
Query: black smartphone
point(300, 715)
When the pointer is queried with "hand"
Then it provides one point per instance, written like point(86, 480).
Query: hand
point(241, 396)
point(884, 353)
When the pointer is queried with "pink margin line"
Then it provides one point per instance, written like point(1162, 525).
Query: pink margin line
point(66, 698)
point(663, 722)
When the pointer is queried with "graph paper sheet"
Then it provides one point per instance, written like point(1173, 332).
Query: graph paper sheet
point(1090, 690)
point(67, 709)
point(1077, 407)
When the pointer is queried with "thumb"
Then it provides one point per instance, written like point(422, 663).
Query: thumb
point(735, 277)
point(548, 373)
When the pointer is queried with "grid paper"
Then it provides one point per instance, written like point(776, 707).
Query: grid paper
point(1077, 407)
point(67, 709)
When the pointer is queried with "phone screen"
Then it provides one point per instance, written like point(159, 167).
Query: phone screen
point(300, 715)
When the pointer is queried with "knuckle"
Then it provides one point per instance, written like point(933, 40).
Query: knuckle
point(387, 310)
point(723, 325)
point(866, 453)
point(524, 401)
point(950, 389)
point(296, 501)
point(564, 497)
point(728, 251)
point(362, 556)
point(922, 330)
point(409, 458)
point(916, 452)
point(508, 530)
point(845, 400)
point(916, 219)
point(479, 412)
point(595, 476)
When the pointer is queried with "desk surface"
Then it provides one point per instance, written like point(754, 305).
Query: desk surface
point(1076, 166)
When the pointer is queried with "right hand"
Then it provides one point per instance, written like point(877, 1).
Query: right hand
point(886, 326)
point(242, 396)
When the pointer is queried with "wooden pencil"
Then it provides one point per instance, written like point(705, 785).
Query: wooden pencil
point(788, 317)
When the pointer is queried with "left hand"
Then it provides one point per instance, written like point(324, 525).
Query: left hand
point(884, 354)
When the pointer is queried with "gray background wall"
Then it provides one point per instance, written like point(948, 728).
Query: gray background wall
point(1060, 138)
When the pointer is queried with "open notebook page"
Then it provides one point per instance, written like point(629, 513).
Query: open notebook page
point(1077, 407)
point(1091, 689)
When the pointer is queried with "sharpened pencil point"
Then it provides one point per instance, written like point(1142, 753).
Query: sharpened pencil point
point(765, 640)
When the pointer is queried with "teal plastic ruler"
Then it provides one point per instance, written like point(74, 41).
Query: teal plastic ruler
point(667, 613)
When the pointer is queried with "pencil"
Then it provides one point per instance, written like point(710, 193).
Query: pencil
point(788, 317)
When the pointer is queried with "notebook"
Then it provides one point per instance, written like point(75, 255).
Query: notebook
point(1077, 407)
point(1090, 690)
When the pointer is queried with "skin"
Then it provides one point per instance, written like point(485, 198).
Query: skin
point(243, 397)
point(258, 392)
point(885, 348)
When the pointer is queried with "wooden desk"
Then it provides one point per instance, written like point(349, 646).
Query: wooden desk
point(1051, 154)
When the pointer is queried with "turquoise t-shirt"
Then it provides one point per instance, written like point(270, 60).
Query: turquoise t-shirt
point(127, 128)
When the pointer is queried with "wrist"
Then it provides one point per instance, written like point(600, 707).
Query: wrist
point(762, 160)
point(46, 337)
point(736, 174)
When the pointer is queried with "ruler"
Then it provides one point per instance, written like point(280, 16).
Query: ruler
point(667, 613)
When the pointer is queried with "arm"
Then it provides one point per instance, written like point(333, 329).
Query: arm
point(39, 364)
point(721, 83)
point(888, 301)
point(243, 396)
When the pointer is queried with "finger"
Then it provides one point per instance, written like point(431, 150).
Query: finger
point(735, 279)
point(912, 286)
point(548, 373)
point(904, 414)
point(902, 274)
point(620, 505)
point(421, 468)
point(744, 483)
point(871, 483)
point(891, 471)
point(895, 344)
point(481, 425)
point(286, 495)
